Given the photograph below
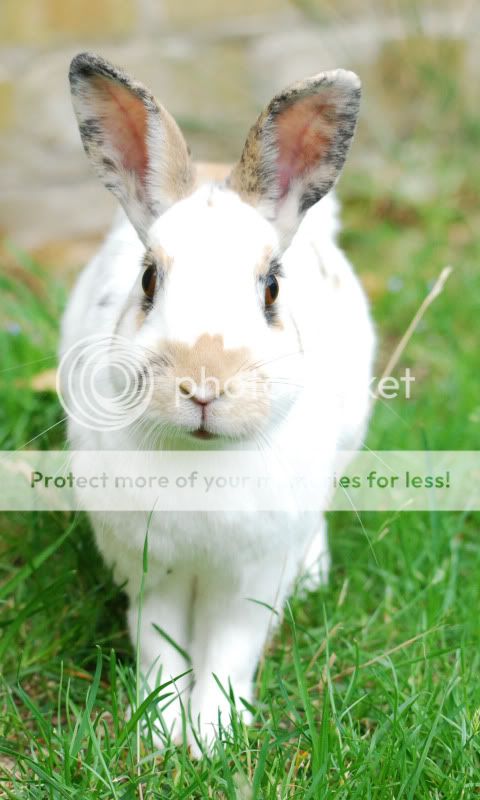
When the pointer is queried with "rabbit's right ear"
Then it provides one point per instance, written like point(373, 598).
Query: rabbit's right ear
point(134, 144)
point(297, 147)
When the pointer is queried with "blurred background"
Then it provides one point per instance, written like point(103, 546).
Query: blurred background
point(214, 64)
point(409, 191)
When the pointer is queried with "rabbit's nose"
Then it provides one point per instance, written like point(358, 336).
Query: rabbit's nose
point(202, 395)
point(201, 401)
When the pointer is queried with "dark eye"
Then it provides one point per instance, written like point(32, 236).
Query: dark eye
point(271, 290)
point(149, 281)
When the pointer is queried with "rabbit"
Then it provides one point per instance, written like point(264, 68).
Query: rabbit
point(233, 273)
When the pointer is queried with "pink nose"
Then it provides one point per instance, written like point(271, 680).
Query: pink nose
point(201, 401)
point(201, 395)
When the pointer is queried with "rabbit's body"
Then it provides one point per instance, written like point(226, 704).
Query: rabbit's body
point(214, 577)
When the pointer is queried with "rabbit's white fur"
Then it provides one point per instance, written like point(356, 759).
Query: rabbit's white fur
point(217, 580)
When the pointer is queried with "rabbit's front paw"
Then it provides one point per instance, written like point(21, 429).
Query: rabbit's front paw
point(210, 716)
point(166, 723)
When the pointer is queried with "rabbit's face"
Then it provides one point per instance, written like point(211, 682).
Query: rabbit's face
point(210, 303)
point(210, 313)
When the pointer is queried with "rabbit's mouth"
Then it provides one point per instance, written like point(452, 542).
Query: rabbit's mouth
point(202, 433)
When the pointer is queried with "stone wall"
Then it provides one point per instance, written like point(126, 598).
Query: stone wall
point(213, 63)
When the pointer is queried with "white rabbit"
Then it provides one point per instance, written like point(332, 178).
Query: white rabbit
point(211, 278)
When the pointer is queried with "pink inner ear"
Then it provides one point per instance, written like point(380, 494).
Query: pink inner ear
point(305, 131)
point(124, 118)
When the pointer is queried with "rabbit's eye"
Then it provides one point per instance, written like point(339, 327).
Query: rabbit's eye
point(149, 281)
point(271, 290)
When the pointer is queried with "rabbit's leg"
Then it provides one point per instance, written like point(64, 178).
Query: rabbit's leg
point(231, 626)
point(315, 568)
point(162, 626)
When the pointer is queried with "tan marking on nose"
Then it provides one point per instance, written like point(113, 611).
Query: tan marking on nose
point(207, 358)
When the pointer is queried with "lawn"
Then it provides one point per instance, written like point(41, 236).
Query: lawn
point(370, 687)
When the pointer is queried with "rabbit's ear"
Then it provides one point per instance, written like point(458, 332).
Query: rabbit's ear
point(297, 147)
point(134, 144)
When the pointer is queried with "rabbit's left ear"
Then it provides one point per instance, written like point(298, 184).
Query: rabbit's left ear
point(297, 147)
point(134, 145)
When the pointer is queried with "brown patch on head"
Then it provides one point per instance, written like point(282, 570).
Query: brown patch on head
point(207, 358)
point(160, 257)
point(264, 261)
point(210, 172)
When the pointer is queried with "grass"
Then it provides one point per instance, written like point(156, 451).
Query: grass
point(370, 687)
